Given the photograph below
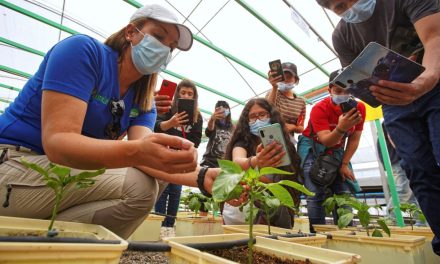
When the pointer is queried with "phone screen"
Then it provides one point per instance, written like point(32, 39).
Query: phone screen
point(276, 66)
point(186, 105)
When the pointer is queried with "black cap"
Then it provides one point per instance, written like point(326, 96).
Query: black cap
point(333, 76)
point(290, 67)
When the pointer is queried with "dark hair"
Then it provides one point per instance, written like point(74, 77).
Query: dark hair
point(332, 77)
point(242, 132)
point(324, 3)
point(185, 83)
point(228, 122)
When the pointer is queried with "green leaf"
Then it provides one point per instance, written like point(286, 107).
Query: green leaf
point(246, 211)
point(344, 220)
point(194, 204)
point(384, 226)
point(364, 217)
point(53, 184)
point(270, 170)
point(60, 171)
point(281, 193)
point(377, 233)
point(224, 184)
point(329, 205)
point(251, 174)
point(422, 217)
point(229, 166)
point(35, 167)
point(297, 186)
point(272, 202)
point(342, 211)
point(89, 174)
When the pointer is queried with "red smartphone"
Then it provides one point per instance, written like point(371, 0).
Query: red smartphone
point(167, 88)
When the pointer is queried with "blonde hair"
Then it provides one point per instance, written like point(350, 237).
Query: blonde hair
point(185, 83)
point(146, 85)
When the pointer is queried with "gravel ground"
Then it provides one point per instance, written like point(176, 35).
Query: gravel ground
point(134, 257)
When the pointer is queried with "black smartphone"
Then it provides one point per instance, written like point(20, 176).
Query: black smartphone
point(275, 66)
point(347, 106)
point(186, 105)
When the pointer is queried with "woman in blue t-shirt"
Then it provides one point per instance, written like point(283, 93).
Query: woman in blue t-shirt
point(84, 97)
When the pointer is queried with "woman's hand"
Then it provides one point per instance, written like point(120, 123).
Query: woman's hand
point(163, 103)
point(349, 119)
point(269, 156)
point(346, 173)
point(179, 119)
point(219, 113)
point(168, 153)
point(274, 81)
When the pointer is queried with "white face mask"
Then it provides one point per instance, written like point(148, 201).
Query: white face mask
point(285, 86)
point(360, 12)
point(150, 55)
point(339, 99)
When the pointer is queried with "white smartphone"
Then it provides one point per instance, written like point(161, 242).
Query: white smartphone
point(271, 133)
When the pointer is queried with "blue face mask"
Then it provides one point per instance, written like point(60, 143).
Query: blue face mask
point(285, 86)
point(339, 99)
point(226, 112)
point(255, 126)
point(150, 55)
point(360, 12)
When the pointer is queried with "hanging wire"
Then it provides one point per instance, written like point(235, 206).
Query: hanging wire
point(62, 19)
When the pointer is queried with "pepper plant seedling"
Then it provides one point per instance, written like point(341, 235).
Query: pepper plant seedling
point(58, 178)
point(346, 215)
point(198, 202)
point(412, 210)
point(232, 182)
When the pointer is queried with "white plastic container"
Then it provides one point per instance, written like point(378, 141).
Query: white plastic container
point(61, 253)
point(149, 230)
point(198, 226)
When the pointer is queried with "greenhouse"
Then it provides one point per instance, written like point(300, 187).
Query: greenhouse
point(205, 131)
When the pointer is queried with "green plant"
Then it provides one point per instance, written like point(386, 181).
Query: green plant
point(346, 215)
point(412, 210)
point(232, 182)
point(198, 202)
point(58, 178)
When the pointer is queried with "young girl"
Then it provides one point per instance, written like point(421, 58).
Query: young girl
point(182, 125)
point(245, 149)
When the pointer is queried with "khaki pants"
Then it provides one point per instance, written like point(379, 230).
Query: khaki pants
point(120, 199)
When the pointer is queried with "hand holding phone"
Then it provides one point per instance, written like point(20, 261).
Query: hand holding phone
point(167, 88)
point(276, 70)
point(186, 105)
point(274, 134)
point(347, 106)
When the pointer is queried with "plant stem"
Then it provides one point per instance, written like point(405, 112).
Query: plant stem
point(58, 197)
point(367, 228)
point(251, 225)
point(411, 220)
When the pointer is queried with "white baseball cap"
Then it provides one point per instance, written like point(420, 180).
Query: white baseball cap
point(160, 13)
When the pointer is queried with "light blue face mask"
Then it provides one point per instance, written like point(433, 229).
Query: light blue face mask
point(226, 112)
point(150, 55)
point(339, 99)
point(255, 126)
point(360, 12)
point(285, 86)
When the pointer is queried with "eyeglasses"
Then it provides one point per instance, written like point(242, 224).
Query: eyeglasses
point(260, 115)
point(113, 129)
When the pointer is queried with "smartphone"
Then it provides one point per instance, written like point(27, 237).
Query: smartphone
point(275, 66)
point(271, 133)
point(186, 105)
point(347, 106)
point(167, 88)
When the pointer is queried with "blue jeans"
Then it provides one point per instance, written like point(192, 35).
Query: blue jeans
point(402, 187)
point(315, 210)
point(168, 203)
point(415, 130)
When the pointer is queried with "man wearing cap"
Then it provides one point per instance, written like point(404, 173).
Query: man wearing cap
point(291, 106)
point(85, 96)
point(411, 110)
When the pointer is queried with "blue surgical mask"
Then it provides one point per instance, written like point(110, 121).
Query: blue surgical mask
point(339, 99)
point(255, 126)
point(150, 55)
point(360, 12)
point(226, 112)
point(285, 86)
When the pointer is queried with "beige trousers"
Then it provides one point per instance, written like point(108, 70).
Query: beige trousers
point(119, 200)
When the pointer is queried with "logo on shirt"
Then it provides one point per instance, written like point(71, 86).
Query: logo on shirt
point(134, 112)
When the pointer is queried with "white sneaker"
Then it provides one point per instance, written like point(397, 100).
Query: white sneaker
point(163, 232)
point(171, 232)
